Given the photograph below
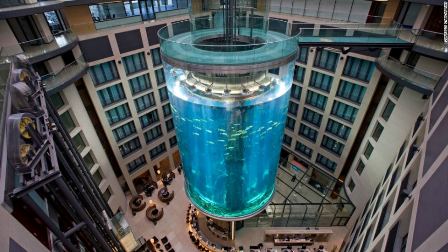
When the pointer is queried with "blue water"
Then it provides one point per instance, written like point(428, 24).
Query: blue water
point(229, 149)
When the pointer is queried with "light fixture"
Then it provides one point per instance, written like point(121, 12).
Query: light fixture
point(158, 172)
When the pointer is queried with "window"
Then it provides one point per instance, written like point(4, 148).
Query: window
point(308, 132)
point(107, 194)
point(111, 94)
point(368, 150)
point(144, 102)
point(321, 81)
point(296, 92)
point(173, 141)
point(118, 113)
point(88, 160)
point(287, 140)
point(163, 93)
point(299, 74)
point(325, 162)
point(351, 91)
point(134, 63)
point(388, 110)
point(396, 91)
point(166, 110)
point(160, 76)
point(104, 72)
point(338, 129)
point(124, 131)
point(360, 167)
point(274, 71)
point(153, 134)
point(169, 125)
point(57, 101)
point(67, 121)
point(136, 163)
point(157, 151)
point(156, 59)
point(97, 178)
point(377, 131)
point(149, 118)
point(312, 117)
point(130, 147)
point(359, 69)
point(317, 100)
point(344, 111)
point(326, 59)
point(140, 84)
point(290, 123)
point(293, 108)
point(351, 185)
point(332, 145)
point(303, 54)
point(300, 147)
point(78, 142)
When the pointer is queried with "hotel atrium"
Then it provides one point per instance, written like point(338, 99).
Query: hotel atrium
point(224, 125)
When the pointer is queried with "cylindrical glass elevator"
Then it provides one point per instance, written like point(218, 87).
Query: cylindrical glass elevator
point(229, 110)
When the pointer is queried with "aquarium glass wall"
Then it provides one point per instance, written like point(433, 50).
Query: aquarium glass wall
point(229, 147)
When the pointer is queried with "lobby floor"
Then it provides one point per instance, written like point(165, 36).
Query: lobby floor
point(173, 225)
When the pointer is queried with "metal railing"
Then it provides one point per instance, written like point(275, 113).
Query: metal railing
point(39, 46)
point(304, 202)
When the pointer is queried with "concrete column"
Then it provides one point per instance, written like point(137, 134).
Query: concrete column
point(422, 17)
point(316, 30)
point(43, 28)
point(55, 64)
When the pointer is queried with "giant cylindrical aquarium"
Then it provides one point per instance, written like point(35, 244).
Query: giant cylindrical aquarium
point(229, 76)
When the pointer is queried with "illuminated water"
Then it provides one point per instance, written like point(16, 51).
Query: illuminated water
point(229, 149)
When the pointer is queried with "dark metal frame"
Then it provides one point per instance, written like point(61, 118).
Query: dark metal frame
point(60, 176)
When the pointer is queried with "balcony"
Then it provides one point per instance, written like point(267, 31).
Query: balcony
point(352, 35)
point(411, 77)
point(42, 48)
point(55, 82)
point(431, 44)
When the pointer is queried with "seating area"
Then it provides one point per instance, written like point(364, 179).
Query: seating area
point(154, 214)
point(168, 178)
point(165, 195)
point(161, 245)
point(137, 204)
point(217, 230)
point(196, 236)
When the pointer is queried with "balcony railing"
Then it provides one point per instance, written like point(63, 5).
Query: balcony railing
point(55, 82)
point(409, 76)
point(302, 200)
point(41, 48)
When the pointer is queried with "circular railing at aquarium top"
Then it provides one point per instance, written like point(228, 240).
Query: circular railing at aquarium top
point(255, 48)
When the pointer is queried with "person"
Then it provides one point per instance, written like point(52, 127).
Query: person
point(179, 169)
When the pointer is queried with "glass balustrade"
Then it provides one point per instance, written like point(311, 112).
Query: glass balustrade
point(65, 76)
point(303, 200)
point(41, 46)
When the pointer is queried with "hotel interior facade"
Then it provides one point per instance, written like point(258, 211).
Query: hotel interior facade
point(105, 146)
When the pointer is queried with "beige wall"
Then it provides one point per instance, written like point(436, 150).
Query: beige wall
point(93, 144)
point(123, 162)
point(8, 42)
point(12, 229)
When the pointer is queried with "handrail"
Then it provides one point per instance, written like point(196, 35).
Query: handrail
point(425, 73)
point(52, 38)
point(53, 74)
